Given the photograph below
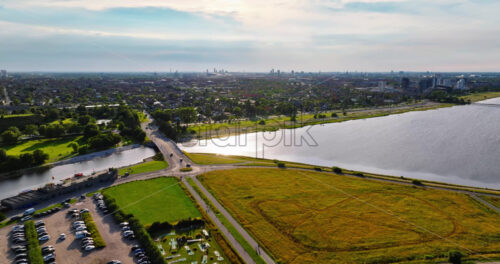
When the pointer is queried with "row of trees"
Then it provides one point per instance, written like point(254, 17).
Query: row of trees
point(25, 160)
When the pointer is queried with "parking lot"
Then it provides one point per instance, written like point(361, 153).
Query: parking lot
point(69, 250)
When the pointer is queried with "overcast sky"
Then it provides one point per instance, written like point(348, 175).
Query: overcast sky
point(249, 35)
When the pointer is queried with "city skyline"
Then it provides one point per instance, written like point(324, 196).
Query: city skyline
point(256, 36)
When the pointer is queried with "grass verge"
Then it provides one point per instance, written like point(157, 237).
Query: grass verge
point(58, 149)
point(148, 166)
point(94, 232)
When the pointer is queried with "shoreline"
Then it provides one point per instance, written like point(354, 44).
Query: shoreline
point(235, 129)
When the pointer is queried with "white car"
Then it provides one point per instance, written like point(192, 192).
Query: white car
point(62, 236)
point(122, 224)
point(89, 248)
point(78, 223)
point(81, 228)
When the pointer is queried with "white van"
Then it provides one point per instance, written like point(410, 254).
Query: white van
point(29, 211)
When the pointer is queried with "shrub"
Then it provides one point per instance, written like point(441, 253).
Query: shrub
point(34, 250)
point(455, 257)
point(417, 182)
point(186, 169)
point(2, 216)
point(317, 169)
point(281, 165)
point(158, 156)
point(94, 232)
point(262, 122)
point(337, 170)
point(359, 174)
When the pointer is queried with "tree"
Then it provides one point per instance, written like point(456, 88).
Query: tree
point(3, 155)
point(74, 146)
point(84, 119)
point(337, 170)
point(91, 130)
point(9, 137)
point(30, 130)
point(455, 257)
point(39, 157)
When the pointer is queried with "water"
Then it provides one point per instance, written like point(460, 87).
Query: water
point(459, 144)
point(13, 186)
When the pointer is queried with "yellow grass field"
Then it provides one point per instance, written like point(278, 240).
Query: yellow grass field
point(314, 217)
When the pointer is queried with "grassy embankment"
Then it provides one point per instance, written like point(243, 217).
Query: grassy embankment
point(314, 217)
point(148, 166)
point(475, 97)
point(164, 200)
point(280, 122)
point(58, 149)
point(94, 232)
point(34, 250)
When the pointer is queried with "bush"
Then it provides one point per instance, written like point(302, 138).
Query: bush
point(186, 169)
point(2, 216)
point(359, 174)
point(158, 156)
point(337, 170)
point(455, 257)
point(262, 122)
point(317, 169)
point(34, 250)
point(417, 182)
point(94, 232)
point(281, 165)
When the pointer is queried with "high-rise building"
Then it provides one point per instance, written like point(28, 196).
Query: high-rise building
point(3, 73)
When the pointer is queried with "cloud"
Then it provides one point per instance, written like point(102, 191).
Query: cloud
point(297, 34)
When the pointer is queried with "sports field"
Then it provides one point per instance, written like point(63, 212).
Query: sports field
point(160, 199)
point(314, 217)
point(58, 149)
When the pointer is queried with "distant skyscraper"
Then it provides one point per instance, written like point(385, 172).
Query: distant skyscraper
point(3, 74)
point(405, 83)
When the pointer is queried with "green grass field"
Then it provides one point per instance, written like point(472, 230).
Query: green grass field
point(16, 115)
point(58, 149)
point(314, 217)
point(474, 97)
point(148, 166)
point(160, 199)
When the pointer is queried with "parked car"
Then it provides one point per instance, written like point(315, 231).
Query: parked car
point(89, 248)
point(26, 218)
point(122, 224)
point(62, 236)
point(44, 238)
point(114, 262)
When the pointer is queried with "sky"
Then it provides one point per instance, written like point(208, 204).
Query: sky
point(249, 35)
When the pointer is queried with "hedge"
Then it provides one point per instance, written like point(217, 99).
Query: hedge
point(94, 232)
point(34, 250)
